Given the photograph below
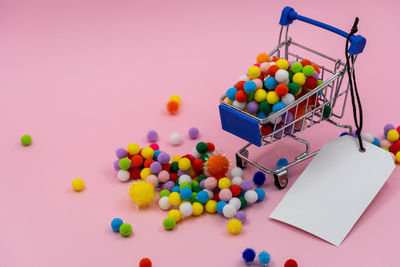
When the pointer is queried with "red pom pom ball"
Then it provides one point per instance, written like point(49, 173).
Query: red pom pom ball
point(145, 262)
point(291, 263)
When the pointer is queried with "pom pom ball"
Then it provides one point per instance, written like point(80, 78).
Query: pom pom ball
point(241, 216)
point(272, 97)
point(235, 202)
point(311, 83)
point(26, 140)
point(169, 185)
point(259, 83)
point(220, 206)
point(387, 128)
point(121, 153)
point(296, 67)
point(211, 206)
point(239, 105)
point(368, 137)
point(116, 165)
point(236, 172)
point(262, 57)
point(246, 185)
point(144, 173)
point(251, 196)
point(175, 214)
point(142, 193)
point(210, 183)
point(145, 262)
point(236, 180)
point(254, 72)
point(193, 133)
point(260, 194)
point(164, 203)
point(133, 149)
point(155, 167)
point(305, 62)
point(282, 64)
point(198, 165)
point(240, 85)
point(147, 153)
point(288, 99)
point(184, 164)
point(265, 107)
point(78, 184)
point(225, 194)
point(241, 96)
point(175, 98)
point(259, 178)
point(202, 197)
point(230, 93)
point(264, 258)
point(116, 224)
point(123, 175)
point(278, 106)
point(124, 163)
point(294, 88)
point(217, 165)
point(281, 89)
point(137, 161)
point(392, 136)
point(299, 78)
point(249, 87)
point(172, 107)
point(224, 183)
point(270, 83)
point(272, 70)
point(281, 76)
point(397, 157)
point(125, 229)
point(260, 95)
point(163, 158)
point(186, 209)
point(169, 224)
point(234, 226)
point(152, 136)
point(252, 107)
point(264, 67)
point(175, 139)
point(197, 209)
point(376, 142)
point(291, 263)
point(308, 70)
point(266, 129)
point(248, 255)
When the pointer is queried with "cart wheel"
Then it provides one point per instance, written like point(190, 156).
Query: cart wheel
point(242, 163)
point(281, 180)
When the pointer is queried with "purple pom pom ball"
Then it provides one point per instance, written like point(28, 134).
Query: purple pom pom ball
point(387, 128)
point(241, 216)
point(152, 136)
point(246, 185)
point(121, 153)
point(116, 165)
point(163, 158)
point(169, 185)
point(252, 107)
point(193, 133)
point(155, 167)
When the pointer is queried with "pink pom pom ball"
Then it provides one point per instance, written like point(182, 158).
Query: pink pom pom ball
point(152, 179)
point(154, 146)
point(225, 195)
point(264, 67)
point(163, 176)
point(385, 143)
point(259, 83)
point(210, 183)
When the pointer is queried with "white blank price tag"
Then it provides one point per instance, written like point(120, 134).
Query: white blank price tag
point(335, 189)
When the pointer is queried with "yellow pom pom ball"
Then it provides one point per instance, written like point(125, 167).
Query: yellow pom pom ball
point(224, 183)
point(174, 198)
point(175, 98)
point(184, 164)
point(398, 157)
point(260, 95)
point(392, 136)
point(78, 184)
point(272, 97)
point(230, 102)
point(254, 72)
point(147, 153)
point(133, 149)
point(234, 226)
point(197, 208)
point(175, 214)
point(144, 173)
point(176, 158)
point(142, 193)
point(282, 63)
point(211, 206)
point(299, 78)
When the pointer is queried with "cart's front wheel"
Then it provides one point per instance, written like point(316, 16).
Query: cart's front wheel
point(240, 162)
point(281, 180)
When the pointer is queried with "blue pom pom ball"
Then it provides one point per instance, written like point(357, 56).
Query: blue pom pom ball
point(344, 133)
point(156, 153)
point(260, 193)
point(186, 193)
point(249, 87)
point(259, 178)
point(262, 115)
point(270, 83)
point(264, 258)
point(282, 162)
point(220, 206)
point(176, 189)
point(278, 106)
point(248, 255)
point(116, 223)
point(231, 93)
point(376, 142)
point(202, 197)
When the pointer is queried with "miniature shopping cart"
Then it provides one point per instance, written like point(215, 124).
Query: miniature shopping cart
point(308, 110)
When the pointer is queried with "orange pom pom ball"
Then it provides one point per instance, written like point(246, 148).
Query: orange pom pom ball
point(172, 107)
point(240, 85)
point(272, 70)
point(241, 96)
point(282, 89)
point(217, 166)
point(305, 62)
point(148, 162)
point(274, 59)
point(137, 161)
point(263, 57)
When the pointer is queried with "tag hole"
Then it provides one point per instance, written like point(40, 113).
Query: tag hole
point(362, 150)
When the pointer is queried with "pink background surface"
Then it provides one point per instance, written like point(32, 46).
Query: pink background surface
point(86, 77)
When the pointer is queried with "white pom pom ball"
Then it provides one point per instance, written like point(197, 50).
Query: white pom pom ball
point(239, 105)
point(368, 137)
point(236, 180)
point(164, 203)
point(251, 196)
point(281, 76)
point(186, 209)
point(229, 210)
point(210, 193)
point(287, 99)
point(236, 172)
point(274, 120)
point(195, 154)
point(184, 178)
point(235, 202)
point(123, 175)
point(243, 77)
point(175, 139)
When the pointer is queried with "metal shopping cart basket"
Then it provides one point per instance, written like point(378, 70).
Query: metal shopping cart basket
point(308, 110)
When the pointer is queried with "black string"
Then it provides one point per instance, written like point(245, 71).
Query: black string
point(353, 87)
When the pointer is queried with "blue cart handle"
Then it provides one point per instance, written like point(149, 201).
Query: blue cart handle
point(357, 41)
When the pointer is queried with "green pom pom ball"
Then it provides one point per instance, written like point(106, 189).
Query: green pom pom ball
point(169, 224)
point(125, 229)
point(26, 140)
point(308, 70)
point(124, 163)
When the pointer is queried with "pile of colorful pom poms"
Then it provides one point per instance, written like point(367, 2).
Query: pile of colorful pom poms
point(173, 104)
point(390, 142)
point(117, 225)
point(271, 85)
point(264, 258)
